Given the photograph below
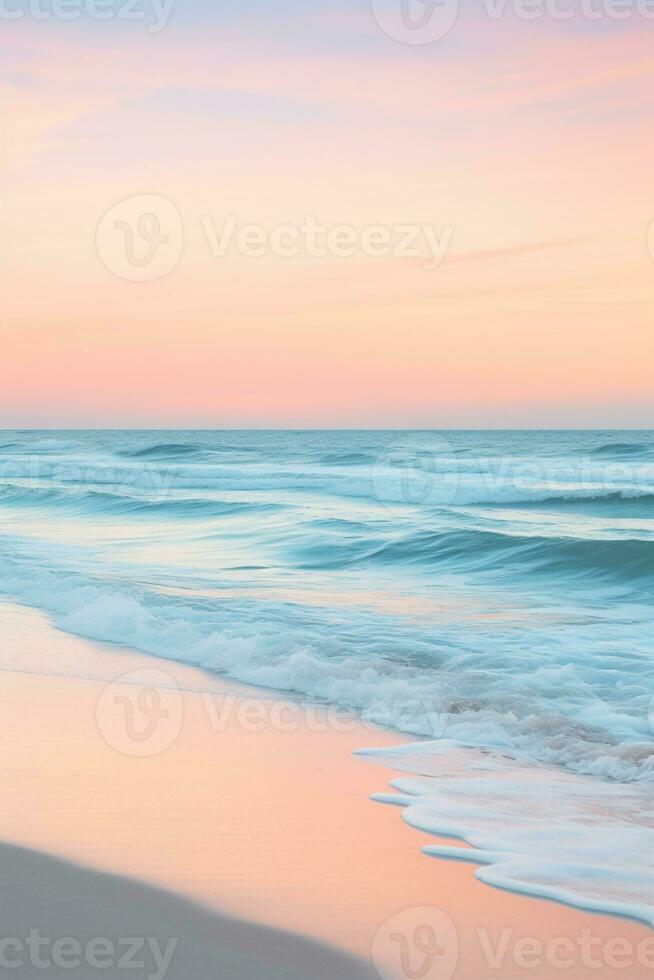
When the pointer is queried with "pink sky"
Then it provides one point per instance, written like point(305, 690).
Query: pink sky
point(531, 142)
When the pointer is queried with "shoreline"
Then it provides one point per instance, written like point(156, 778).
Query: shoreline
point(266, 817)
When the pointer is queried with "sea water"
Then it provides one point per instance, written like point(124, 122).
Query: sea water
point(489, 592)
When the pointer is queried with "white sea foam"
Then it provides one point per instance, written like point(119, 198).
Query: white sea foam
point(486, 691)
point(533, 830)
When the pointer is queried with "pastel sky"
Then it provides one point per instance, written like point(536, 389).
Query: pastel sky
point(529, 145)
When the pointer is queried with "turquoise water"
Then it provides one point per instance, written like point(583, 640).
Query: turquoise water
point(494, 589)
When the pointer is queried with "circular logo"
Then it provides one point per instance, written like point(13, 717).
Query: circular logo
point(418, 469)
point(417, 944)
point(141, 239)
point(416, 21)
point(140, 713)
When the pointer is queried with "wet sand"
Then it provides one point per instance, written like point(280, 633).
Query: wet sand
point(255, 808)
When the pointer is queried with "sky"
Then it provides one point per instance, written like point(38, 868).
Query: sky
point(482, 199)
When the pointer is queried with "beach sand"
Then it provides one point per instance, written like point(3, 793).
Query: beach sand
point(106, 925)
point(254, 808)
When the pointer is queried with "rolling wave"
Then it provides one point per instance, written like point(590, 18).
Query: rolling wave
point(618, 503)
point(620, 560)
point(623, 450)
point(101, 502)
point(165, 450)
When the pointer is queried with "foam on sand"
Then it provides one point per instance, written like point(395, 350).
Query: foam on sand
point(533, 830)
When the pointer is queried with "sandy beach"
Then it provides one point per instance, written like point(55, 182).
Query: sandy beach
point(61, 918)
point(252, 808)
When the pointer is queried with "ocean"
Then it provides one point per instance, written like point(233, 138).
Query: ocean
point(489, 592)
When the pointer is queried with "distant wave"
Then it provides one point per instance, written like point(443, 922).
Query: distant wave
point(619, 503)
point(101, 502)
point(183, 451)
point(627, 450)
point(347, 459)
point(203, 468)
point(43, 446)
point(623, 560)
point(591, 496)
point(165, 450)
